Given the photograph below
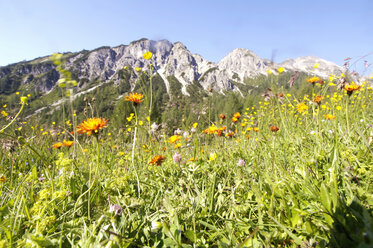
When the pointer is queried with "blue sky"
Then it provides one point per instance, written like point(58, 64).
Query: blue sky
point(332, 30)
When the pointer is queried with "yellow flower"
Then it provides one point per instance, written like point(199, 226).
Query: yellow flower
point(138, 69)
point(178, 145)
point(302, 107)
point(269, 72)
point(173, 139)
point(195, 125)
point(4, 106)
point(136, 98)
point(2, 178)
point(23, 100)
point(91, 125)
point(280, 70)
point(316, 65)
point(5, 114)
point(140, 123)
point(213, 156)
point(147, 55)
point(210, 130)
point(17, 93)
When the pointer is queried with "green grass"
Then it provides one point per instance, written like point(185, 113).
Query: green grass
point(307, 185)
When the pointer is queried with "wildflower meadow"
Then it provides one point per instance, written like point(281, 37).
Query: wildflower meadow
point(287, 171)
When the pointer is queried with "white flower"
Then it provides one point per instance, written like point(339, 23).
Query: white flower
point(154, 127)
point(185, 135)
point(156, 225)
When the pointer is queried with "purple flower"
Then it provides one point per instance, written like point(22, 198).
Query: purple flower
point(177, 157)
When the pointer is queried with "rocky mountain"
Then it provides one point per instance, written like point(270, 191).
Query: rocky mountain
point(307, 64)
point(103, 65)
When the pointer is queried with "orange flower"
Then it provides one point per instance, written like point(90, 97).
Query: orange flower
point(222, 116)
point(230, 134)
point(314, 80)
point(256, 129)
point(237, 115)
point(91, 125)
point(318, 99)
point(274, 128)
point(351, 88)
point(57, 145)
point(68, 143)
point(329, 117)
point(220, 130)
point(136, 98)
point(157, 160)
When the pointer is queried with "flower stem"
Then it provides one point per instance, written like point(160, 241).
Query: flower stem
point(10, 123)
point(133, 153)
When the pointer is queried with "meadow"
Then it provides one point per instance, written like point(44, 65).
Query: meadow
point(288, 171)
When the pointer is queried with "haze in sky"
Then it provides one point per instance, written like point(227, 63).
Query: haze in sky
point(278, 30)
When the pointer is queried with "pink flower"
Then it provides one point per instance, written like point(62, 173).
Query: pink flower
point(177, 157)
point(241, 162)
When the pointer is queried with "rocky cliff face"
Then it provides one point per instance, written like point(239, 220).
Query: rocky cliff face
point(103, 65)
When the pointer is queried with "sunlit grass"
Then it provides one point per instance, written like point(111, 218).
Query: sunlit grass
point(287, 172)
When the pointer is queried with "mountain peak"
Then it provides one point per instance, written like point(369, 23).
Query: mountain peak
point(307, 64)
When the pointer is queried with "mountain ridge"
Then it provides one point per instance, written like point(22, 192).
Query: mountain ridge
point(104, 64)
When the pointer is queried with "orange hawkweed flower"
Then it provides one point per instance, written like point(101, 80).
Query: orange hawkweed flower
point(318, 99)
point(256, 129)
point(314, 80)
point(157, 160)
point(237, 115)
point(220, 131)
point(230, 134)
point(274, 128)
point(350, 88)
point(57, 145)
point(136, 98)
point(91, 125)
point(329, 117)
point(68, 143)
point(222, 116)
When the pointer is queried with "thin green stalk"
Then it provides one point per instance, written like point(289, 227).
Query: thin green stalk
point(133, 152)
point(19, 112)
